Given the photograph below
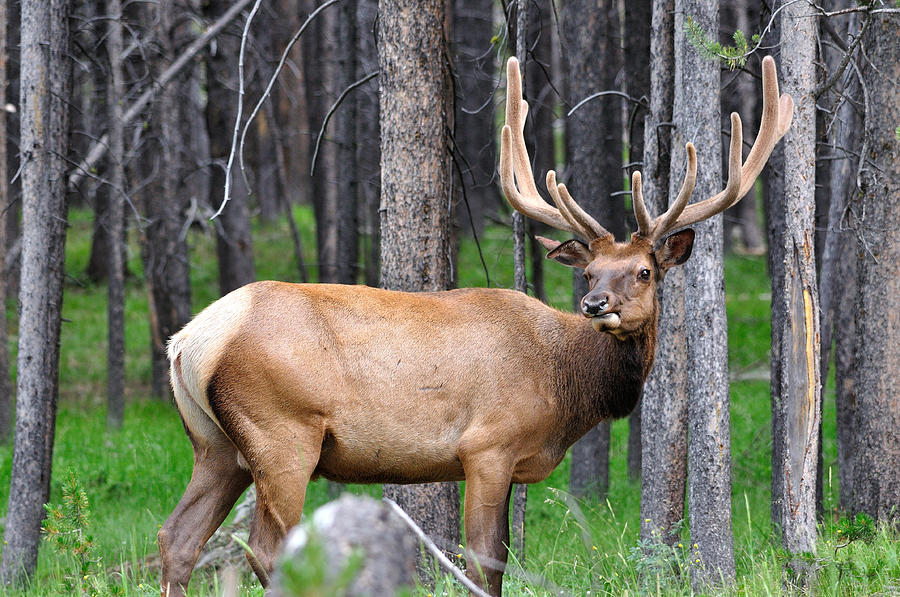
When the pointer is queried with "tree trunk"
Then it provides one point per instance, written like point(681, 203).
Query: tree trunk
point(476, 67)
point(44, 110)
point(346, 171)
point(165, 248)
point(696, 118)
point(796, 297)
point(594, 157)
point(115, 219)
point(638, 20)
point(837, 282)
point(876, 470)
point(415, 184)
point(6, 396)
point(664, 401)
point(368, 148)
point(234, 242)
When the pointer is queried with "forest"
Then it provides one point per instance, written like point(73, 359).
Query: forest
point(705, 401)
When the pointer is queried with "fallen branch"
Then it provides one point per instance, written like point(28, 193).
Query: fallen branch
point(98, 150)
point(435, 550)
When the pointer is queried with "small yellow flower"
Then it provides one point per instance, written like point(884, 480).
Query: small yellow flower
point(594, 547)
point(696, 546)
point(697, 560)
point(459, 556)
point(646, 520)
point(680, 545)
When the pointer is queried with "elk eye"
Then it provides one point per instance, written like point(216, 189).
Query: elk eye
point(645, 274)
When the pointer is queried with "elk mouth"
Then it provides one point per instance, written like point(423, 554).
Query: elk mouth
point(607, 321)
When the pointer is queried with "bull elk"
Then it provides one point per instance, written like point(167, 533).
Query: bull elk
point(281, 383)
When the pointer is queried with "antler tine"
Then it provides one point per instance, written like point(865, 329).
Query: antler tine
point(515, 168)
point(640, 209)
point(659, 226)
point(776, 119)
point(514, 163)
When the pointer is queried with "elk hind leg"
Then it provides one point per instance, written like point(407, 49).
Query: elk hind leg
point(216, 483)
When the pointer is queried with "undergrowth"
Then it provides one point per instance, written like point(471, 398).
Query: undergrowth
point(111, 491)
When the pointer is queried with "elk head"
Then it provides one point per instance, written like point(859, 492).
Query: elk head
point(622, 276)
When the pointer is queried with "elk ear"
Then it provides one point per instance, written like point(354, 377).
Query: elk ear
point(573, 253)
point(675, 250)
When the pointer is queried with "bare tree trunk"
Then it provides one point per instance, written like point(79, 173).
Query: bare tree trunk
point(164, 247)
point(638, 20)
point(696, 118)
point(797, 401)
point(6, 395)
point(44, 109)
point(415, 184)
point(234, 242)
point(476, 69)
point(346, 171)
point(594, 154)
point(115, 219)
point(876, 470)
point(664, 402)
point(368, 148)
point(837, 282)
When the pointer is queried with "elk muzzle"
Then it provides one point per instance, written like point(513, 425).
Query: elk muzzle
point(601, 307)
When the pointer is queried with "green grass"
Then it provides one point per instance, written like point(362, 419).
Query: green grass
point(134, 477)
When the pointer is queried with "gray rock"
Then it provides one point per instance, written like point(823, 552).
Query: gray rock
point(353, 546)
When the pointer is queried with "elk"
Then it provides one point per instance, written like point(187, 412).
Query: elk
point(278, 383)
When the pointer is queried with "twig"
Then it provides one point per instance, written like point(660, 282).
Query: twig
point(435, 550)
point(240, 109)
point(331, 111)
point(848, 55)
point(639, 101)
point(98, 150)
point(271, 84)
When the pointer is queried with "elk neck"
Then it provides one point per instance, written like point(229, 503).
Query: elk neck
point(599, 377)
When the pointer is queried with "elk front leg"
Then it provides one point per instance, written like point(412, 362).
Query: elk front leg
point(488, 488)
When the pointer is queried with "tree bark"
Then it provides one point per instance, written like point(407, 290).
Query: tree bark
point(696, 117)
point(415, 183)
point(594, 156)
point(234, 242)
point(876, 470)
point(837, 282)
point(368, 147)
point(638, 19)
point(44, 110)
point(796, 297)
point(115, 219)
point(6, 395)
point(476, 70)
point(664, 401)
point(346, 171)
point(164, 247)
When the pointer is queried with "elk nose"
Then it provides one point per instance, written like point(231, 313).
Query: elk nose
point(594, 305)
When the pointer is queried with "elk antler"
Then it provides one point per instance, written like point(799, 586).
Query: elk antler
point(515, 167)
point(776, 119)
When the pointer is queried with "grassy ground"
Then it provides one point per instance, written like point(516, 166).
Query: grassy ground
point(134, 477)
